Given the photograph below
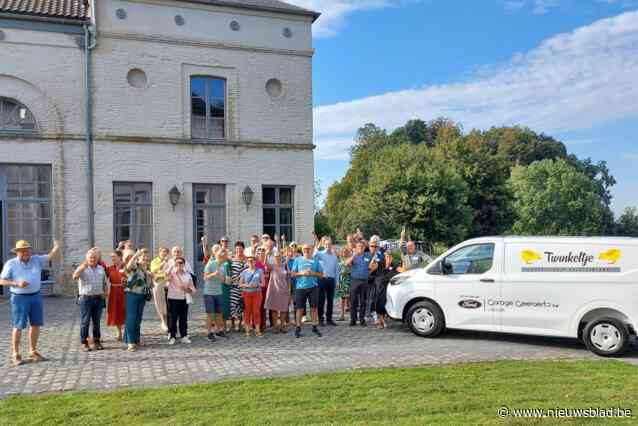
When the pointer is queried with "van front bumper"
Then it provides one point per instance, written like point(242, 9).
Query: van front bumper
point(392, 304)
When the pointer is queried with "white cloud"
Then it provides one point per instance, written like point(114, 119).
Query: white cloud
point(334, 12)
point(539, 7)
point(572, 81)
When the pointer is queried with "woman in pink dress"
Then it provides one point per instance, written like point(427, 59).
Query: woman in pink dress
point(278, 295)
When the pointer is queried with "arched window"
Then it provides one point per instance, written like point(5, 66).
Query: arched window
point(208, 107)
point(15, 117)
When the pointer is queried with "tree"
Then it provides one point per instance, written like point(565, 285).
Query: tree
point(552, 197)
point(486, 176)
point(522, 146)
point(627, 224)
point(411, 186)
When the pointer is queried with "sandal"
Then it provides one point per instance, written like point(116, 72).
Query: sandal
point(36, 356)
point(17, 360)
point(259, 334)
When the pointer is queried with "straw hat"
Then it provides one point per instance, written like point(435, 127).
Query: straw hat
point(21, 245)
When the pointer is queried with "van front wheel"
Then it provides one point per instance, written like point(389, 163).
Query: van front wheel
point(606, 337)
point(426, 319)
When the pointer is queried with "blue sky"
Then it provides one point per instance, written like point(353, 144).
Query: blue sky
point(568, 68)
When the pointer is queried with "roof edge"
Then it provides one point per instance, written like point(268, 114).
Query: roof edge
point(298, 11)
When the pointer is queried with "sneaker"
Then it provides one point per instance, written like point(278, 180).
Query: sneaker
point(164, 327)
point(316, 331)
point(211, 337)
point(98, 346)
point(298, 332)
point(331, 323)
point(322, 323)
point(353, 323)
point(362, 324)
point(221, 334)
point(171, 341)
point(186, 340)
point(86, 347)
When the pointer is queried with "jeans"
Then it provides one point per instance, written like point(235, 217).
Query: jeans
point(90, 312)
point(359, 291)
point(134, 311)
point(178, 309)
point(326, 296)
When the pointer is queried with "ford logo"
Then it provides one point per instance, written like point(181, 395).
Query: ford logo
point(470, 304)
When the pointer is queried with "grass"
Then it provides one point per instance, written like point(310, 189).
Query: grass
point(451, 394)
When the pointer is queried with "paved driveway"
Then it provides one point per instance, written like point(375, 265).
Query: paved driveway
point(342, 347)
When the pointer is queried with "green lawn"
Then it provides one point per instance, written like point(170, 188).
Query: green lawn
point(452, 394)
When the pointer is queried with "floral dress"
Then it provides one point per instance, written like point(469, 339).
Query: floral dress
point(345, 279)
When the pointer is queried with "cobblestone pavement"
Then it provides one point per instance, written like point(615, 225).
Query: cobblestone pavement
point(342, 347)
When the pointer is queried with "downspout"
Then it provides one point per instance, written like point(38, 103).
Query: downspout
point(90, 40)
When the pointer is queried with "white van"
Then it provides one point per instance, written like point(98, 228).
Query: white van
point(584, 288)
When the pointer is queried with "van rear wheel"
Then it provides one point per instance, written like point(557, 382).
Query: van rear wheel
point(426, 319)
point(606, 337)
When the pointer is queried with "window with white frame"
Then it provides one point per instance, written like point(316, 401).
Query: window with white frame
point(208, 107)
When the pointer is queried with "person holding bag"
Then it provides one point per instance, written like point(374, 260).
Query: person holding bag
point(138, 290)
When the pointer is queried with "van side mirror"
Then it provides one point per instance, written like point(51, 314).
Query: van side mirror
point(446, 267)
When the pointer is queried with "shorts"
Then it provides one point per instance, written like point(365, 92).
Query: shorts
point(213, 304)
point(27, 309)
point(311, 295)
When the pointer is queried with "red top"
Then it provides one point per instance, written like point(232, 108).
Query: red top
point(116, 277)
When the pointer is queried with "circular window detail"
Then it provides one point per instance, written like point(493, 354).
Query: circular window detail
point(234, 25)
point(287, 32)
point(137, 78)
point(274, 88)
point(179, 20)
point(120, 13)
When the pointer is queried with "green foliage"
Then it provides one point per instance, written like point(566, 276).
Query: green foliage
point(552, 197)
point(627, 224)
point(422, 171)
point(322, 226)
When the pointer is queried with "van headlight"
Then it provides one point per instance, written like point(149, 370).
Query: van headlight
point(398, 280)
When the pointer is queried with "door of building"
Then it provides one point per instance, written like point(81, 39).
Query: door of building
point(209, 218)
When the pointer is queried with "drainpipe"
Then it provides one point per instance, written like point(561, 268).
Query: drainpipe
point(90, 40)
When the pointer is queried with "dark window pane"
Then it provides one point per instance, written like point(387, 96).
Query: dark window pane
point(43, 174)
point(287, 232)
point(285, 216)
point(218, 194)
point(142, 193)
point(43, 190)
point(198, 107)
point(285, 195)
point(123, 233)
point(270, 230)
point(27, 190)
point(122, 193)
point(44, 227)
point(270, 216)
point(197, 87)
point(217, 109)
point(123, 216)
point(269, 196)
point(13, 190)
point(13, 174)
point(27, 173)
point(201, 197)
point(217, 89)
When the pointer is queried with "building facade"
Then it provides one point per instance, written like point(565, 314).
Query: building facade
point(171, 119)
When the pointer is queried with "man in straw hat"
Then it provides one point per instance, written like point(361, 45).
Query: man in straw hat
point(23, 275)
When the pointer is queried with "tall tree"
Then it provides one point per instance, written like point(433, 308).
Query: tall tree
point(552, 197)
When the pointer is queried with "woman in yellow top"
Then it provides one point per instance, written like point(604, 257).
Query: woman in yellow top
point(159, 290)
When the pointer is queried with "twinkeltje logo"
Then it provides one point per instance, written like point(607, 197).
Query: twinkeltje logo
point(572, 261)
point(530, 256)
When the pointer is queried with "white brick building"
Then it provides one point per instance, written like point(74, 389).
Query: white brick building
point(208, 96)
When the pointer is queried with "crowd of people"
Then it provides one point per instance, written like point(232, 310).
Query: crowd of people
point(247, 288)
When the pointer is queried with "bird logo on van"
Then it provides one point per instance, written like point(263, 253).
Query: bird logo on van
point(530, 256)
point(611, 256)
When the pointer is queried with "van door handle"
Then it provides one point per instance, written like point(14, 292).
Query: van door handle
point(487, 280)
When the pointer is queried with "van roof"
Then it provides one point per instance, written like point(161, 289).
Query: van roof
point(563, 239)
